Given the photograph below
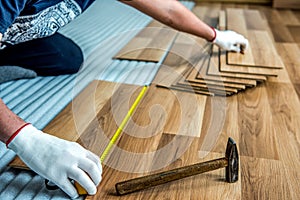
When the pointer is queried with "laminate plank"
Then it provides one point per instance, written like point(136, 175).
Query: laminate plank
point(196, 77)
point(261, 47)
point(186, 120)
point(222, 58)
point(268, 13)
point(288, 17)
point(295, 32)
point(293, 4)
point(99, 132)
point(256, 125)
point(178, 61)
point(207, 13)
point(293, 177)
point(266, 53)
point(286, 74)
point(195, 58)
point(297, 89)
point(254, 20)
point(202, 74)
point(152, 113)
point(222, 20)
point(280, 32)
point(148, 45)
point(204, 89)
point(181, 56)
point(191, 90)
point(284, 104)
point(237, 24)
point(260, 178)
point(228, 127)
point(212, 81)
point(213, 87)
point(218, 59)
point(247, 70)
point(206, 86)
point(213, 123)
point(289, 54)
point(296, 13)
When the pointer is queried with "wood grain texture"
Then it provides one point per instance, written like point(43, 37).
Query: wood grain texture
point(281, 33)
point(199, 74)
point(217, 81)
point(193, 115)
point(295, 32)
point(148, 45)
point(206, 84)
point(292, 4)
point(218, 59)
point(260, 178)
point(289, 17)
point(289, 54)
point(261, 48)
point(213, 63)
point(256, 125)
point(183, 54)
point(247, 70)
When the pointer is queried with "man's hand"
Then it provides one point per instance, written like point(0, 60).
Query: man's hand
point(230, 41)
point(57, 160)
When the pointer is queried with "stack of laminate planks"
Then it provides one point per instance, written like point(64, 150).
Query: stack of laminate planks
point(193, 65)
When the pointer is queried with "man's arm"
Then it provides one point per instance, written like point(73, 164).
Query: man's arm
point(177, 16)
point(9, 122)
point(57, 160)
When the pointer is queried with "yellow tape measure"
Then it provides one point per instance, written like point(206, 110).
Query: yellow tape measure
point(80, 189)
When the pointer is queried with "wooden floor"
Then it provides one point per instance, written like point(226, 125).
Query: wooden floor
point(263, 120)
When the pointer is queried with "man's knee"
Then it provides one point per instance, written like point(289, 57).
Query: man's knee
point(70, 60)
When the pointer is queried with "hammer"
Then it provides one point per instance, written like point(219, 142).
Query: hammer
point(230, 162)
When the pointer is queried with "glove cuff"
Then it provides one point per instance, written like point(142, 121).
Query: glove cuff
point(215, 35)
point(15, 134)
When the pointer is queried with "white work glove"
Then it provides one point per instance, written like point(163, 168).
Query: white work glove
point(58, 160)
point(230, 41)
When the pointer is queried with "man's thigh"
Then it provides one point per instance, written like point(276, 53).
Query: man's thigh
point(49, 56)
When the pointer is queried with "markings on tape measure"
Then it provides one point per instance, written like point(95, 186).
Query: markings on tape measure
point(123, 124)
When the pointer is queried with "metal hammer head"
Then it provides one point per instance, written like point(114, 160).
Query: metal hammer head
point(232, 170)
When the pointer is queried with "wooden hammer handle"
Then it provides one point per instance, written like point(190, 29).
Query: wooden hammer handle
point(141, 183)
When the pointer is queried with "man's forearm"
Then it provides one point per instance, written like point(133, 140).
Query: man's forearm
point(175, 15)
point(9, 122)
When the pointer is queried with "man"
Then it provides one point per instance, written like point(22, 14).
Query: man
point(29, 39)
